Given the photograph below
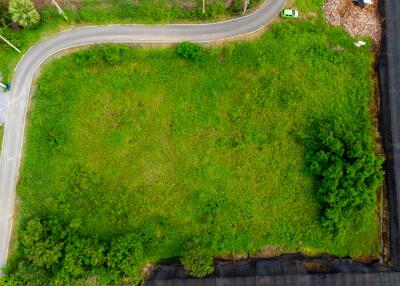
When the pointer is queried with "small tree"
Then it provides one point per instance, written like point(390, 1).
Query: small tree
point(342, 159)
point(24, 13)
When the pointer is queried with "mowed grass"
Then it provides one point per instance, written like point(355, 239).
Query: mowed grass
point(171, 149)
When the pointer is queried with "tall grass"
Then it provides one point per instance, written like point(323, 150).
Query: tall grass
point(146, 141)
point(191, 150)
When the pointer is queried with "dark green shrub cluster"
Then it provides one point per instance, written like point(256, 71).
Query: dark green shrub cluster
point(11, 36)
point(341, 157)
point(189, 50)
point(198, 259)
point(112, 55)
point(5, 17)
point(55, 254)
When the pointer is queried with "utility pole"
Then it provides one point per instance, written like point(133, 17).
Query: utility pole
point(14, 47)
point(60, 11)
point(204, 6)
point(246, 3)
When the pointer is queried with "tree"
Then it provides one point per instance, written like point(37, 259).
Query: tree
point(125, 256)
point(24, 13)
point(41, 242)
point(341, 157)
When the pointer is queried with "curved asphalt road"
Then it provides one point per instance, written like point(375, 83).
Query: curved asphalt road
point(29, 64)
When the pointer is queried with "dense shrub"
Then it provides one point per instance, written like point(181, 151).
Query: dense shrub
point(112, 55)
point(189, 50)
point(5, 17)
point(197, 260)
point(11, 36)
point(55, 252)
point(341, 157)
point(24, 13)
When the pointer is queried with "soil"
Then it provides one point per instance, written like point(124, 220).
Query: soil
point(267, 252)
point(357, 21)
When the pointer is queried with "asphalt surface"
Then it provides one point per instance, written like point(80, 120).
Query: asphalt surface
point(20, 88)
point(3, 106)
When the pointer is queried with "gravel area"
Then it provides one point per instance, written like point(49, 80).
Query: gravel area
point(357, 21)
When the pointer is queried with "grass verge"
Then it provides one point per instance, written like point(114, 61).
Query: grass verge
point(90, 12)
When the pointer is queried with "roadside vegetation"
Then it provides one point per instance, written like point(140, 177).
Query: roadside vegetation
point(136, 155)
point(22, 26)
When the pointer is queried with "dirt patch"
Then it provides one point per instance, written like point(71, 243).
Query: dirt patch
point(357, 21)
point(267, 252)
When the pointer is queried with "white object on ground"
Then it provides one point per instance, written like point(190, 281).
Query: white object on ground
point(360, 43)
point(369, 2)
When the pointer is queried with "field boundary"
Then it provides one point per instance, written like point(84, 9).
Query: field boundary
point(389, 74)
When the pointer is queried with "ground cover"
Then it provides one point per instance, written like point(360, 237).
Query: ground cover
point(86, 12)
point(194, 153)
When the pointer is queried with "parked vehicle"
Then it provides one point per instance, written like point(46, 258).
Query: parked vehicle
point(289, 13)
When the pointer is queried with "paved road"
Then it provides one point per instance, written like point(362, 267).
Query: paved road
point(3, 106)
point(29, 64)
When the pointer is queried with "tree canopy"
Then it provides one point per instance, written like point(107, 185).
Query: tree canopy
point(24, 13)
point(55, 254)
point(347, 171)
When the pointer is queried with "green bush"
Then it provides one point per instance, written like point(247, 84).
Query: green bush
point(87, 58)
point(11, 36)
point(341, 157)
point(111, 55)
point(24, 13)
point(5, 17)
point(189, 50)
point(56, 252)
point(237, 6)
point(197, 260)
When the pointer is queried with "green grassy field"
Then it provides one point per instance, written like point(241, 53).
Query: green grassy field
point(160, 156)
point(163, 144)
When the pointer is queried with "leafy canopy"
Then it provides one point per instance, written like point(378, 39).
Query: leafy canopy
point(57, 253)
point(347, 171)
point(24, 13)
